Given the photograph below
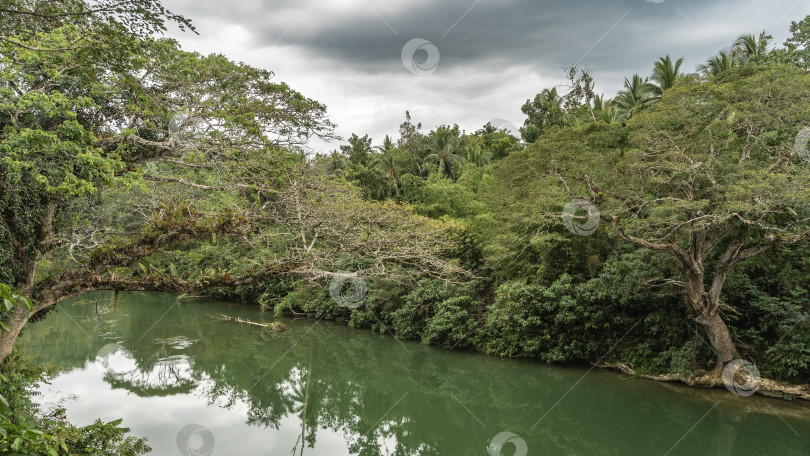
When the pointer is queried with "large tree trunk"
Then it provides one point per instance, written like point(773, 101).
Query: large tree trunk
point(707, 314)
point(15, 324)
point(720, 340)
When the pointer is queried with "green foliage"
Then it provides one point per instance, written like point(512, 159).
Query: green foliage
point(9, 300)
point(797, 47)
point(544, 113)
point(533, 321)
point(410, 320)
point(453, 324)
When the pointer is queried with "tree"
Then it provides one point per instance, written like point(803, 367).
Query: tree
point(412, 143)
point(386, 159)
point(386, 147)
point(580, 91)
point(710, 178)
point(104, 27)
point(637, 95)
point(220, 143)
point(75, 126)
point(797, 47)
point(605, 110)
point(331, 225)
point(335, 163)
point(751, 48)
point(544, 112)
point(497, 143)
point(723, 61)
point(476, 154)
point(666, 74)
point(387, 162)
point(358, 149)
point(443, 147)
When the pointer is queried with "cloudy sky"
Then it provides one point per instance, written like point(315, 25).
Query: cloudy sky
point(463, 61)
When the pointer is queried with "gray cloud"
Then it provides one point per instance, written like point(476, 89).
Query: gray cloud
point(494, 54)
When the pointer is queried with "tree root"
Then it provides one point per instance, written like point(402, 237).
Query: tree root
point(767, 387)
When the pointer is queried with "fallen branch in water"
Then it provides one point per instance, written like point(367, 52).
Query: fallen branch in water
point(275, 326)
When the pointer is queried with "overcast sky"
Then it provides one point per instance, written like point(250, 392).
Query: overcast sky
point(463, 61)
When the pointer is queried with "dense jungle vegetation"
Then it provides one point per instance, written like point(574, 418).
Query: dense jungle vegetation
point(129, 164)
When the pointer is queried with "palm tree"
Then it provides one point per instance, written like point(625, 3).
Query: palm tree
point(605, 110)
point(387, 145)
point(443, 147)
point(750, 48)
point(638, 93)
point(477, 155)
point(387, 163)
point(723, 61)
point(336, 163)
point(666, 74)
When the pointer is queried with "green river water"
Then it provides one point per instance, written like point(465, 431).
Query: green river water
point(197, 386)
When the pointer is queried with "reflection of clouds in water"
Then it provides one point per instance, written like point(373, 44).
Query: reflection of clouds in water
point(116, 359)
point(58, 399)
point(163, 373)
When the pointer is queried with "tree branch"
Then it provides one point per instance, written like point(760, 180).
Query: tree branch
point(177, 180)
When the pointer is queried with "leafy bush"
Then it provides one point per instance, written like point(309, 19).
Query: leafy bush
point(419, 304)
point(453, 325)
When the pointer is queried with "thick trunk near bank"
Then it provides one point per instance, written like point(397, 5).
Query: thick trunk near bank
point(15, 324)
point(706, 308)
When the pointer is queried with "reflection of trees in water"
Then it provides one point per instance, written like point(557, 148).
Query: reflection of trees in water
point(164, 377)
point(354, 383)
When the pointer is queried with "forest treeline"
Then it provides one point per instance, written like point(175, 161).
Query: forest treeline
point(664, 228)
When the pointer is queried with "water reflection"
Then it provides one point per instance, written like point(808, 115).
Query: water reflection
point(325, 389)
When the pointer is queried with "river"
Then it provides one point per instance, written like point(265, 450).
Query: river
point(194, 385)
